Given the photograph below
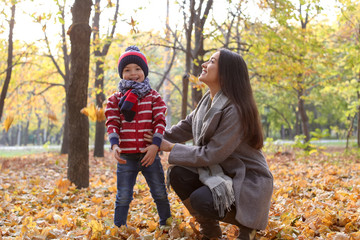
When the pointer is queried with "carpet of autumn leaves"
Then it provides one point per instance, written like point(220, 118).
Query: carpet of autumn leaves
point(315, 196)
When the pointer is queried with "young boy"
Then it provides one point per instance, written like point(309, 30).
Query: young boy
point(133, 111)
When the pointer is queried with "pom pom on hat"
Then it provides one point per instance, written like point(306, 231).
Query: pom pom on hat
point(132, 54)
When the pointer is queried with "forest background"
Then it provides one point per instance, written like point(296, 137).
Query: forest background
point(303, 59)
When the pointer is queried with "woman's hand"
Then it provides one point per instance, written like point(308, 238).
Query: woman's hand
point(150, 155)
point(148, 137)
point(165, 146)
point(116, 153)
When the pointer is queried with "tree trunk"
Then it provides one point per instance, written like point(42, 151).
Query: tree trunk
point(66, 77)
point(100, 98)
point(38, 130)
point(99, 75)
point(358, 94)
point(166, 90)
point(297, 125)
point(9, 62)
point(358, 117)
point(188, 58)
point(65, 140)
point(199, 51)
point(13, 135)
point(99, 84)
point(4, 140)
point(80, 31)
point(303, 116)
point(185, 90)
point(348, 134)
point(196, 94)
point(25, 137)
point(18, 141)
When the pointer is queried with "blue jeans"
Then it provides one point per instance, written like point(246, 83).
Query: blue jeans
point(126, 178)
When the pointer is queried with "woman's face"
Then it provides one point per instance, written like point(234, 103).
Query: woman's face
point(133, 72)
point(210, 73)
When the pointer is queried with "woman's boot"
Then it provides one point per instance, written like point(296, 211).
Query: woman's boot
point(245, 232)
point(210, 228)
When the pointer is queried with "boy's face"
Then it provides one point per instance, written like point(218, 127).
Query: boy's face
point(133, 72)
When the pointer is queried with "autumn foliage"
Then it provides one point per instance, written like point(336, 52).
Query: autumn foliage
point(315, 197)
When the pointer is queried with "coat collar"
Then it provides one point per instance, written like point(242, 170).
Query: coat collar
point(206, 113)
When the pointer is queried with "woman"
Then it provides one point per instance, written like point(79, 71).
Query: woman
point(224, 176)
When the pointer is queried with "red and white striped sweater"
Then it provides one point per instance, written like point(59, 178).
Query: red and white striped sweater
point(150, 116)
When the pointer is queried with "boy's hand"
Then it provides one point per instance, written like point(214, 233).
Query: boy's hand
point(116, 153)
point(150, 155)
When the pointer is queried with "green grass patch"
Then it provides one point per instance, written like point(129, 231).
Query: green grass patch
point(19, 152)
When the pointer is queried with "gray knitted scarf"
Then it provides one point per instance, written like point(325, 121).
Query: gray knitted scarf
point(139, 88)
point(221, 185)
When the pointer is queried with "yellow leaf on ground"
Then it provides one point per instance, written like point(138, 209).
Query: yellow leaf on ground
point(102, 213)
point(64, 221)
point(96, 200)
point(308, 202)
point(355, 235)
point(112, 189)
point(7, 197)
point(63, 185)
point(96, 228)
point(29, 223)
point(152, 225)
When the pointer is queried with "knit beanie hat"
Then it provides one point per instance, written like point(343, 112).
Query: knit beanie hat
point(132, 54)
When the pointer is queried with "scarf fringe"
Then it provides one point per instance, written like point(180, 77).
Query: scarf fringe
point(223, 196)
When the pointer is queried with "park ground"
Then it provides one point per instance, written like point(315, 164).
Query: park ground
point(316, 196)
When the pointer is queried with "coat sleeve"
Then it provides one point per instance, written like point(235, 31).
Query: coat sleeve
point(180, 132)
point(224, 141)
point(113, 120)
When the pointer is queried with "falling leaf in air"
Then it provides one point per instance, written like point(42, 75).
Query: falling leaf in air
point(8, 121)
point(90, 112)
point(52, 116)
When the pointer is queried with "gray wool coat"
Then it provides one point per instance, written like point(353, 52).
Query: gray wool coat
point(221, 144)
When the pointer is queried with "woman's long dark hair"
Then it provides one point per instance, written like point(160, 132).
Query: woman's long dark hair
point(235, 84)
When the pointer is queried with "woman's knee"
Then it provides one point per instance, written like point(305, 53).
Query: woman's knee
point(201, 201)
point(175, 175)
point(183, 181)
point(180, 176)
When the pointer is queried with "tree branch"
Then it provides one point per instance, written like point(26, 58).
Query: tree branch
point(167, 71)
